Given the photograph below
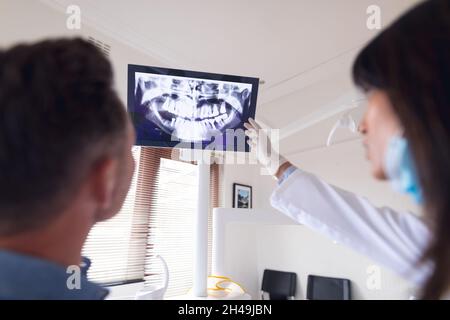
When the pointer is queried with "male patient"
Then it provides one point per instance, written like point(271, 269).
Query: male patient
point(65, 164)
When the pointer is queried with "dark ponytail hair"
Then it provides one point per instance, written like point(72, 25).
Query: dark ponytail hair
point(410, 61)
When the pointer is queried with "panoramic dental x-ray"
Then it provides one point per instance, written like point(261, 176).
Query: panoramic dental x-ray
point(188, 109)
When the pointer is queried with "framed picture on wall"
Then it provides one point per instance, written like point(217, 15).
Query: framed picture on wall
point(242, 196)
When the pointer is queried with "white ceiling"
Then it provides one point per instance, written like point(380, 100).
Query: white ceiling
point(303, 49)
point(274, 40)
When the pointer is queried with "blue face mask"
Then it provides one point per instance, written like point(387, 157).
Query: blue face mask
point(400, 169)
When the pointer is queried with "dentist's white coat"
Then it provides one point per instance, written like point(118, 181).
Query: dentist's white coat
point(393, 239)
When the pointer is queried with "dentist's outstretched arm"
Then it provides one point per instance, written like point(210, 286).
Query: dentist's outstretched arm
point(393, 239)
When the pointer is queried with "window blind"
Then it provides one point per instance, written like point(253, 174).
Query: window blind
point(156, 218)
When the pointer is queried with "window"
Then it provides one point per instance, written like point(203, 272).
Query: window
point(171, 224)
point(112, 245)
point(156, 218)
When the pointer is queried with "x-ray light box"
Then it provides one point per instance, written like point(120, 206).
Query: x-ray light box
point(190, 109)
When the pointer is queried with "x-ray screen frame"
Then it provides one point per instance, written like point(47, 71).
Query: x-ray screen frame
point(137, 111)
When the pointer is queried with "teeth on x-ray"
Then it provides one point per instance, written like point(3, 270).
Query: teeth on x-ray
point(192, 109)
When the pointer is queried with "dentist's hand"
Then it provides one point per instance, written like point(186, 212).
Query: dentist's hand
point(265, 153)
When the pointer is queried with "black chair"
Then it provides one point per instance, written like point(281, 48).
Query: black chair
point(325, 288)
point(279, 285)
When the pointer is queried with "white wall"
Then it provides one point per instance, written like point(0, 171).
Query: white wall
point(29, 21)
point(241, 246)
point(297, 249)
point(248, 173)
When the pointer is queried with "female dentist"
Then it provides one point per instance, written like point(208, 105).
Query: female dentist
point(405, 73)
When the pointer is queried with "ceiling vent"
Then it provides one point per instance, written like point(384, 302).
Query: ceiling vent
point(103, 47)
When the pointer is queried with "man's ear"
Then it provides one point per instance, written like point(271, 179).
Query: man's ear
point(104, 179)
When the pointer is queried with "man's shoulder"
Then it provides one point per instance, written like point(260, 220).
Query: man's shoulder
point(24, 277)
